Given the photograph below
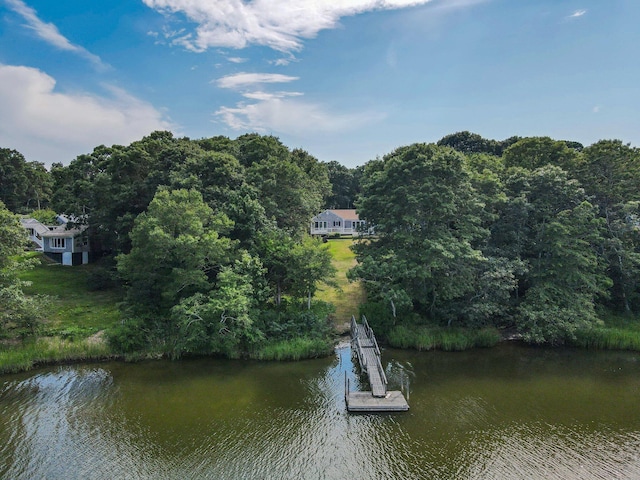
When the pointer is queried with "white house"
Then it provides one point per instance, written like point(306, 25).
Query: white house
point(68, 246)
point(344, 222)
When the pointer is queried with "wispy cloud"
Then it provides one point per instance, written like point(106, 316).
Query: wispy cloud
point(237, 59)
point(292, 117)
point(245, 80)
point(50, 33)
point(281, 25)
point(577, 14)
point(49, 126)
point(281, 111)
point(265, 96)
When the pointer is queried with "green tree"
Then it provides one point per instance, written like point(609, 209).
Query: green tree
point(610, 172)
point(566, 278)
point(548, 225)
point(221, 321)
point(427, 220)
point(178, 247)
point(24, 186)
point(310, 266)
point(345, 185)
point(536, 152)
point(19, 314)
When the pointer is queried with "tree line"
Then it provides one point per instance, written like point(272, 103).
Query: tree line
point(209, 236)
point(533, 234)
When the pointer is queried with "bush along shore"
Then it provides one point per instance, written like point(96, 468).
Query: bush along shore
point(84, 324)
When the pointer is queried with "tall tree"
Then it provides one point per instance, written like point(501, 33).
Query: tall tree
point(19, 314)
point(536, 152)
point(427, 220)
point(178, 247)
point(24, 186)
point(345, 185)
point(610, 172)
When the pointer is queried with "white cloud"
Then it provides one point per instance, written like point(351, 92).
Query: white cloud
point(237, 59)
point(577, 14)
point(50, 33)
point(49, 126)
point(281, 25)
point(273, 113)
point(244, 80)
point(269, 96)
point(282, 62)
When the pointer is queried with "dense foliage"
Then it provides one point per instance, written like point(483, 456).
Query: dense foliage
point(20, 315)
point(533, 234)
point(208, 236)
point(24, 186)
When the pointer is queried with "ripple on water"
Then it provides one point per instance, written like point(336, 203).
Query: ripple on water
point(101, 423)
point(552, 452)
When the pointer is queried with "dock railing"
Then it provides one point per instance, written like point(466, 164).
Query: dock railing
point(372, 337)
point(369, 336)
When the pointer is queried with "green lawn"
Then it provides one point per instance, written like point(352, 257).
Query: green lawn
point(348, 296)
point(73, 305)
point(75, 317)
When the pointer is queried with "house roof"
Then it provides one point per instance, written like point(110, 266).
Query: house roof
point(35, 225)
point(346, 214)
point(51, 231)
point(62, 233)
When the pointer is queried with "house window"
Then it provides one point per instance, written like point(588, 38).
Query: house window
point(336, 223)
point(58, 243)
point(31, 232)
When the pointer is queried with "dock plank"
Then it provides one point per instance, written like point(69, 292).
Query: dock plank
point(394, 401)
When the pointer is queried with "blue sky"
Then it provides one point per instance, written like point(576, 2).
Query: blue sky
point(345, 80)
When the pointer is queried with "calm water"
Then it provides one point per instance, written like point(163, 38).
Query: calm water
point(505, 413)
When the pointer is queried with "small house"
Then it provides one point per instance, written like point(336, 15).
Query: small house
point(343, 222)
point(62, 243)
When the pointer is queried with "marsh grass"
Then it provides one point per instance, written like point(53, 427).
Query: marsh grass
point(18, 358)
point(607, 339)
point(294, 349)
point(447, 339)
point(619, 332)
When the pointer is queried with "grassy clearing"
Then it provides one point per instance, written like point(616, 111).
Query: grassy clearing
point(73, 306)
point(348, 296)
point(75, 316)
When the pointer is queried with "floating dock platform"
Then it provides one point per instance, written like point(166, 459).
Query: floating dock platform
point(379, 399)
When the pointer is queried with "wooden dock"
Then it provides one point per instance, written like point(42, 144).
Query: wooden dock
point(363, 341)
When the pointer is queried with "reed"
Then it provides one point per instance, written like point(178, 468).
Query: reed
point(447, 339)
point(22, 357)
point(294, 349)
point(607, 339)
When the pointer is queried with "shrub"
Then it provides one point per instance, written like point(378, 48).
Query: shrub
point(101, 278)
point(128, 337)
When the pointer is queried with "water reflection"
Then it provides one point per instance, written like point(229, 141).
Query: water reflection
point(497, 414)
